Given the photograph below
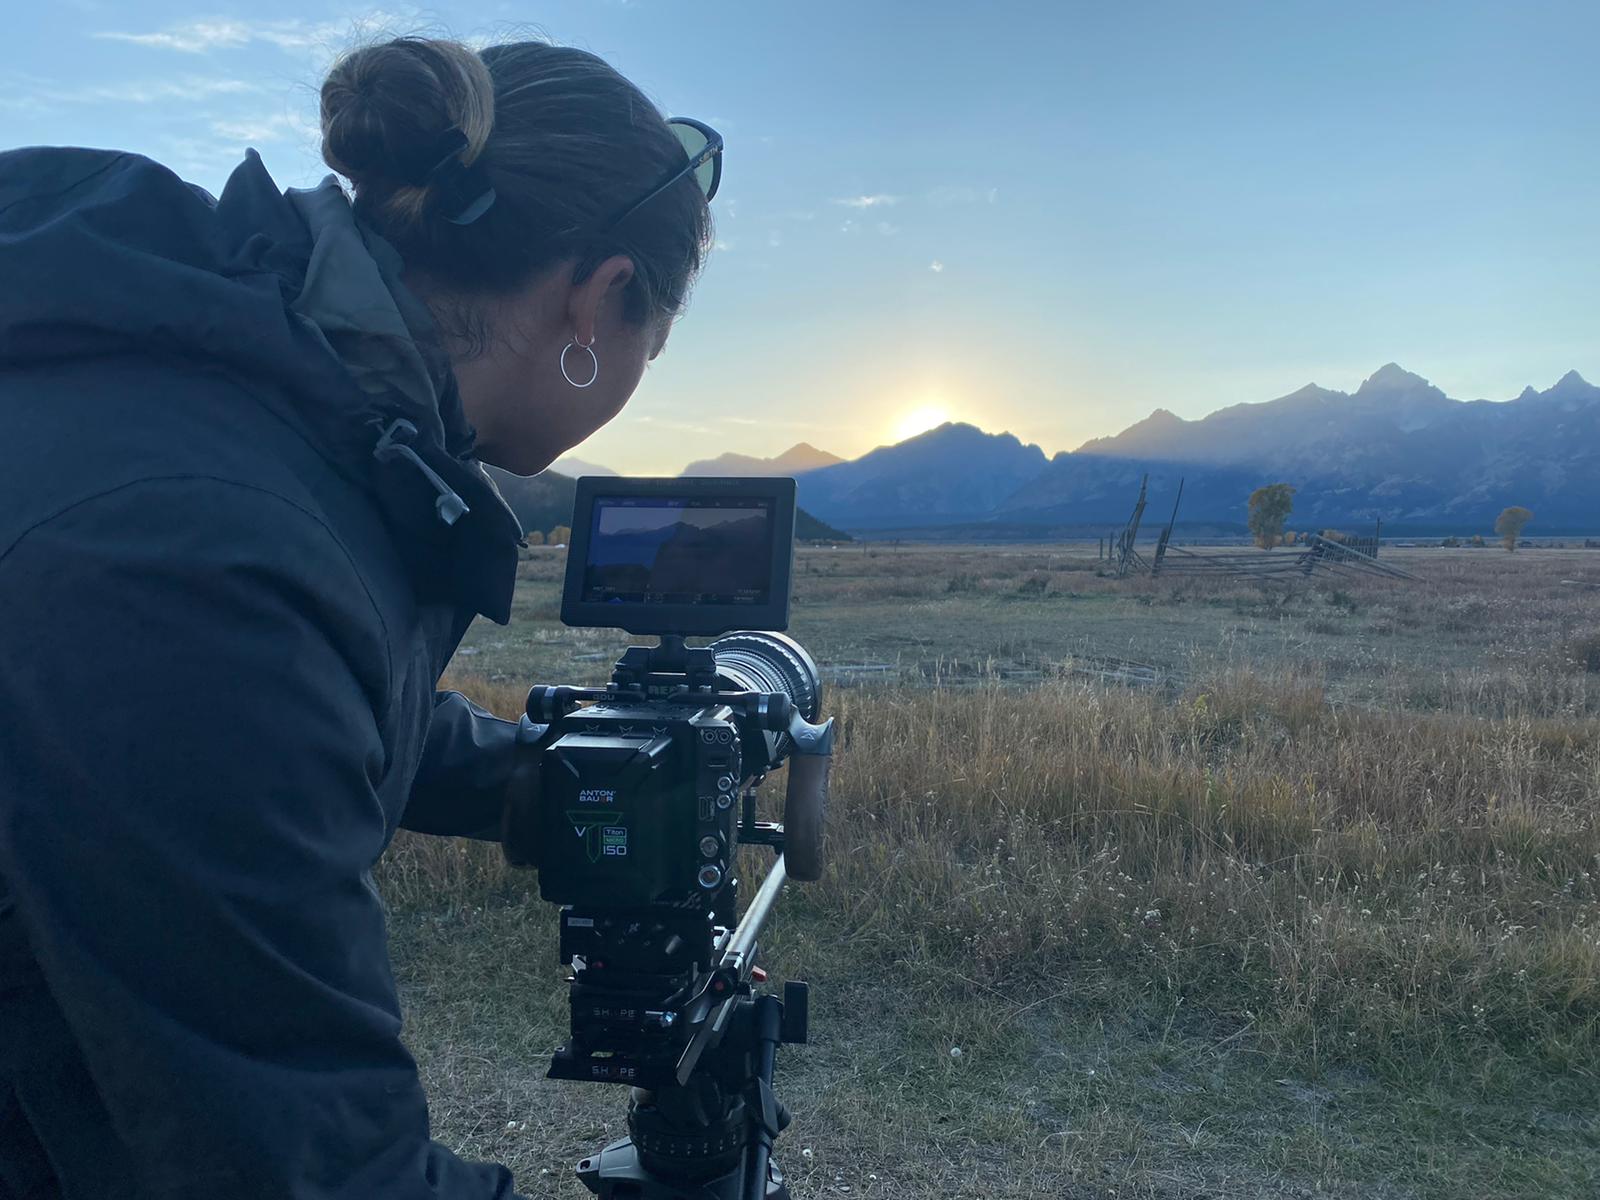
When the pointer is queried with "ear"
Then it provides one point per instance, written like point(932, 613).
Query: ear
point(590, 298)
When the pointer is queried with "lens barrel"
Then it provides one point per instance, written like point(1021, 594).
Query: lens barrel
point(770, 662)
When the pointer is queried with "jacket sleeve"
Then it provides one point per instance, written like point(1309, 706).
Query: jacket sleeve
point(189, 756)
point(460, 786)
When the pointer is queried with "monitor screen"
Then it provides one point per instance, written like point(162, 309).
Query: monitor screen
point(680, 550)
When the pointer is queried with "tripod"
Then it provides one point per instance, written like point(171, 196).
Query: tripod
point(708, 1133)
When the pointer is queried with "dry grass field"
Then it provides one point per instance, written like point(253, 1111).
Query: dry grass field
point(1141, 888)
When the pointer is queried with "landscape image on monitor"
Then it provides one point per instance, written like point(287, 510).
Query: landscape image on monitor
point(650, 551)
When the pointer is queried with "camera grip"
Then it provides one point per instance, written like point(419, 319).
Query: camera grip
point(519, 831)
point(805, 816)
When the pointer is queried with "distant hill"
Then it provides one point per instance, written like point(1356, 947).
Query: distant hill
point(541, 501)
point(808, 529)
point(1397, 449)
point(573, 468)
point(793, 461)
point(954, 471)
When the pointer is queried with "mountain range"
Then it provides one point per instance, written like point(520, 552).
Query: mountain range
point(1397, 449)
point(796, 460)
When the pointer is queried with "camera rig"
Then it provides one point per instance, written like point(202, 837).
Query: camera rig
point(633, 800)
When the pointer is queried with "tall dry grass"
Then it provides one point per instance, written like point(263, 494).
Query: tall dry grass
point(1354, 884)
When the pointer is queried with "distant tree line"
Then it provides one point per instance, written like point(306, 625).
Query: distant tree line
point(1271, 504)
point(559, 536)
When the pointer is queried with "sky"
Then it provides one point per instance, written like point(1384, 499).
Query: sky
point(1048, 218)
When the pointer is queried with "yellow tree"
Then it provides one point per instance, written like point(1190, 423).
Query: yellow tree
point(560, 535)
point(1509, 524)
point(535, 538)
point(1270, 507)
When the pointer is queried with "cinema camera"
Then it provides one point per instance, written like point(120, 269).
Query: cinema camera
point(632, 802)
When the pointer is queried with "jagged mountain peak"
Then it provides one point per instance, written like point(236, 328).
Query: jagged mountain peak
point(1391, 377)
point(957, 433)
point(1311, 391)
point(797, 459)
point(802, 448)
point(1569, 383)
point(1161, 423)
point(955, 469)
point(1571, 390)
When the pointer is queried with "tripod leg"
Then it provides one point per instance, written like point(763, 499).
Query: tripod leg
point(767, 1117)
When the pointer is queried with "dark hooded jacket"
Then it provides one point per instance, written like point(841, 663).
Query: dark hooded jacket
point(232, 567)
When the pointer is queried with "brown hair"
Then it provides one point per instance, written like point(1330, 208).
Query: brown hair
point(565, 141)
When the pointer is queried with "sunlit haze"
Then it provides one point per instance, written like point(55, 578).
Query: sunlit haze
point(1046, 218)
point(918, 420)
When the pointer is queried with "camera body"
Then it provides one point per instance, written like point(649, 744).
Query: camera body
point(639, 804)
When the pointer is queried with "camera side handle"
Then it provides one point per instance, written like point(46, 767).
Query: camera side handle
point(805, 802)
point(519, 829)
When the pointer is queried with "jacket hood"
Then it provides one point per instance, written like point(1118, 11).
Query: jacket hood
point(107, 254)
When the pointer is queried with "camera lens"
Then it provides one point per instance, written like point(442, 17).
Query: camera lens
point(710, 876)
point(770, 662)
point(709, 847)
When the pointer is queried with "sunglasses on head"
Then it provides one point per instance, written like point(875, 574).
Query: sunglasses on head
point(703, 146)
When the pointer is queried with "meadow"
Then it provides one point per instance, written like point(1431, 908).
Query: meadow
point(1139, 888)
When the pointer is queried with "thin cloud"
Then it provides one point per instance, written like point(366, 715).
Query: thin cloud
point(888, 230)
point(281, 128)
point(32, 94)
point(936, 267)
point(877, 200)
point(203, 36)
point(953, 195)
point(194, 37)
point(678, 426)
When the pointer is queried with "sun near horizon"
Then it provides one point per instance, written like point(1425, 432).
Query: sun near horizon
point(919, 420)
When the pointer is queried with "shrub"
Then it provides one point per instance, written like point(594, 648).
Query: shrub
point(962, 581)
point(1585, 652)
point(1034, 585)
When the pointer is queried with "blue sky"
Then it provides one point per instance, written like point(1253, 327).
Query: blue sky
point(1048, 218)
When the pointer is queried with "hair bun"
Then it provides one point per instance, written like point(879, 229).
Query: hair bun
point(385, 108)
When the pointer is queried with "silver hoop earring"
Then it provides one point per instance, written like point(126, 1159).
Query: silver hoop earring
point(594, 362)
